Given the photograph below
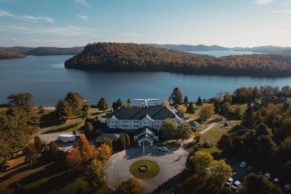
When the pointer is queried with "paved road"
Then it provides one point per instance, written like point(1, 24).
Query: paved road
point(171, 164)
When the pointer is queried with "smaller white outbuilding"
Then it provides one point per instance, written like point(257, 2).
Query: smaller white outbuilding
point(66, 138)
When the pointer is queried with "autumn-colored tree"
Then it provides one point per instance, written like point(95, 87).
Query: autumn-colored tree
point(87, 151)
point(103, 152)
point(182, 108)
point(206, 111)
point(94, 174)
point(201, 160)
point(74, 158)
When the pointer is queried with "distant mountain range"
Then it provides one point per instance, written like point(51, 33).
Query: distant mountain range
point(260, 49)
point(42, 51)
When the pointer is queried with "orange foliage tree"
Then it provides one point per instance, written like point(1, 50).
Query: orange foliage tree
point(88, 152)
point(104, 152)
point(73, 158)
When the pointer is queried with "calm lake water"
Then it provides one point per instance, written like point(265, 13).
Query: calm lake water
point(47, 80)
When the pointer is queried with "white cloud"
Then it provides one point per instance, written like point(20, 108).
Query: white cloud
point(38, 18)
point(80, 2)
point(82, 17)
point(281, 11)
point(263, 2)
point(60, 31)
point(4, 13)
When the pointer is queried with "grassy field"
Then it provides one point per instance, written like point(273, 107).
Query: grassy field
point(153, 169)
point(213, 136)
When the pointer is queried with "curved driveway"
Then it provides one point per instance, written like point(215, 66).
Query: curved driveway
point(171, 164)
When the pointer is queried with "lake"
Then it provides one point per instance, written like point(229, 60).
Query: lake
point(47, 80)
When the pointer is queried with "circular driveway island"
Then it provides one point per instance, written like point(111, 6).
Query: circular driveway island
point(117, 169)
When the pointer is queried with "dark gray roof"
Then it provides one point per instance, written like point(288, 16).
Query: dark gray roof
point(138, 113)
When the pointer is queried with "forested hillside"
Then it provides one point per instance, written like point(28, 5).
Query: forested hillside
point(9, 54)
point(136, 57)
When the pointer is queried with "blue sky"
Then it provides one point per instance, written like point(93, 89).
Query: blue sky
point(67, 23)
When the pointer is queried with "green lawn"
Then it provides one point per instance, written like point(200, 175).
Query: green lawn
point(213, 136)
point(153, 169)
point(73, 125)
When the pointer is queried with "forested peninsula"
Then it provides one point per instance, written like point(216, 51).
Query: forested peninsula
point(138, 57)
point(9, 54)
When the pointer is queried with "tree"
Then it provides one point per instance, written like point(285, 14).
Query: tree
point(38, 144)
point(259, 185)
point(199, 101)
point(120, 143)
point(87, 151)
point(219, 172)
point(263, 129)
point(176, 96)
point(85, 111)
point(30, 153)
point(74, 158)
point(129, 186)
point(201, 160)
point(102, 104)
point(117, 104)
point(226, 143)
point(127, 139)
point(89, 129)
point(108, 142)
point(75, 101)
point(63, 111)
point(184, 130)
point(94, 174)
point(226, 109)
point(227, 98)
point(168, 129)
point(182, 108)
point(23, 100)
point(186, 100)
point(190, 108)
point(249, 118)
point(41, 109)
point(206, 111)
point(284, 150)
point(103, 152)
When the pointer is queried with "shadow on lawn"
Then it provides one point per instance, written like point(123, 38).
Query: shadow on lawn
point(56, 182)
point(19, 170)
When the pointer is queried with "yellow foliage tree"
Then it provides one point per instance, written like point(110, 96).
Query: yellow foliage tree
point(206, 111)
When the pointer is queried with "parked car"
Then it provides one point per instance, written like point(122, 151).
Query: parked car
point(236, 185)
point(267, 175)
point(163, 148)
point(249, 168)
point(276, 180)
point(243, 164)
point(229, 181)
point(287, 187)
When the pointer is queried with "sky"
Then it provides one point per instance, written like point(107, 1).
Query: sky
point(66, 23)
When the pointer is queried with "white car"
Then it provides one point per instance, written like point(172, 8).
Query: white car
point(287, 187)
point(229, 181)
point(243, 164)
point(236, 185)
point(276, 180)
point(163, 148)
point(267, 175)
